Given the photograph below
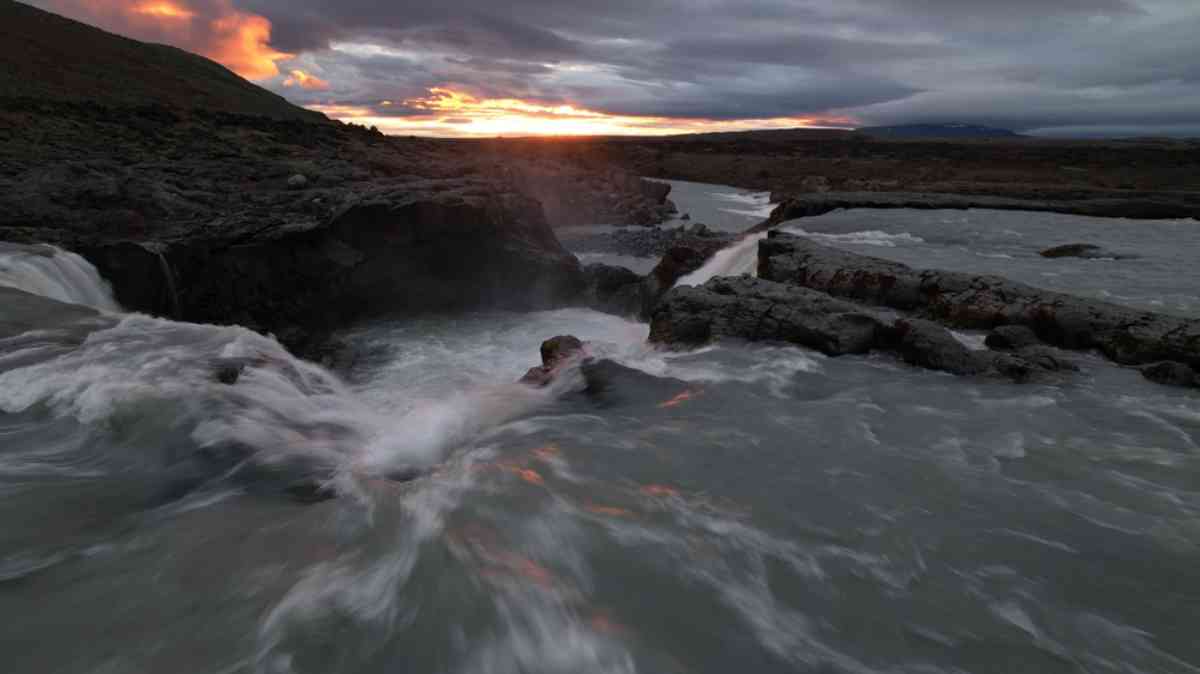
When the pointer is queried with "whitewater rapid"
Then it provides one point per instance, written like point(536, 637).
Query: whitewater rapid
point(737, 506)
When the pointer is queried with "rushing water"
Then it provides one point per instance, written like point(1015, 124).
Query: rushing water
point(740, 508)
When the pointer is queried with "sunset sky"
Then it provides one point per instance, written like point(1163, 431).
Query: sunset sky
point(486, 67)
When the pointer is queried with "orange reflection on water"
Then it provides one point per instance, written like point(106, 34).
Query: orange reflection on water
point(659, 490)
point(679, 399)
point(608, 511)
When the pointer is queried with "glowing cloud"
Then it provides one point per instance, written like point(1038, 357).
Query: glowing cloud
point(448, 112)
point(163, 10)
point(214, 28)
point(299, 78)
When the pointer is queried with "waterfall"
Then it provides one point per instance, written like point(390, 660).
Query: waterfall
point(55, 273)
point(168, 275)
point(740, 258)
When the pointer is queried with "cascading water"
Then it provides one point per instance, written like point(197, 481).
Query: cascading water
point(54, 273)
point(697, 512)
point(740, 258)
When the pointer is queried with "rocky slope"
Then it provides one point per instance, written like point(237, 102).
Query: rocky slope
point(226, 204)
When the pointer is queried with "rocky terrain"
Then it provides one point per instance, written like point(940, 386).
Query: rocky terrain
point(249, 210)
point(1138, 178)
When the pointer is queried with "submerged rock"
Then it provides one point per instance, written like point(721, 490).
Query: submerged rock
point(1082, 250)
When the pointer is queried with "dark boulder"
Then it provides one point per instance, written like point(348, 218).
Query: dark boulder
point(1172, 374)
point(612, 290)
point(556, 353)
point(929, 345)
point(1082, 250)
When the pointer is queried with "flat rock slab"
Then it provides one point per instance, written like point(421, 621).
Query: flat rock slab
point(983, 302)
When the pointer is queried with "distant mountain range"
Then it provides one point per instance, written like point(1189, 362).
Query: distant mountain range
point(938, 131)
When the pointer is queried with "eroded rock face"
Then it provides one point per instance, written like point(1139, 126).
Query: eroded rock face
point(1127, 336)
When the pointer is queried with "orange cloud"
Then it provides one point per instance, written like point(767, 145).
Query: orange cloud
point(214, 28)
point(164, 10)
point(299, 78)
point(448, 112)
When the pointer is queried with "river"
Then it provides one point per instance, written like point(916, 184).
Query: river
point(754, 508)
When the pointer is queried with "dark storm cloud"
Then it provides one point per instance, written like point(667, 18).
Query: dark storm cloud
point(1023, 63)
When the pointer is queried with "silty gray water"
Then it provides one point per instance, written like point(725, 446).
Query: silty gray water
point(747, 507)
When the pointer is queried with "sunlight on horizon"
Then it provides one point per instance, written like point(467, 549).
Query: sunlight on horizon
point(446, 112)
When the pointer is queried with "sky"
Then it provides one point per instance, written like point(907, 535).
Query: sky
point(489, 68)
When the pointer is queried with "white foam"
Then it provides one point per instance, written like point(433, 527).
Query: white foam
point(740, 258)
point(55, 273)
point(872, 237)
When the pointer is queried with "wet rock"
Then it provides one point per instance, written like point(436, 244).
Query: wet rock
point(555, 352)
point(1124, 335)
point(756, 310)
point(1171, 374)
point(1082, 250)
point(612, 290)
point(929, 345)
point(1011, 337)
point(679, 261)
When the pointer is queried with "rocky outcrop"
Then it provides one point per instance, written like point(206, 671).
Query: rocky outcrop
point(199, 216)
point(679, 261)
point(1127, 336)
point(420, 247)
point(756, 310)
point(613, 290)
point(805, 205)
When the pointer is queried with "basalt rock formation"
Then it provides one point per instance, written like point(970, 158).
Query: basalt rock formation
point(1126, 336)
point(757, 310)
